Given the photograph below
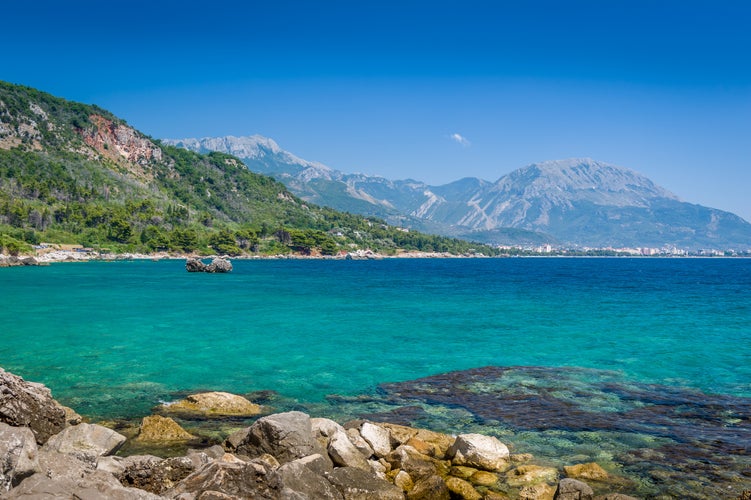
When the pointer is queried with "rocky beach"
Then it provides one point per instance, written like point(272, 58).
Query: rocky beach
point(49, 451)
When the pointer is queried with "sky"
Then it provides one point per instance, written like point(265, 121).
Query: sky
point(433, 91)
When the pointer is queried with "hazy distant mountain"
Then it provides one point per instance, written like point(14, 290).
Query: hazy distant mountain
point(578, 201)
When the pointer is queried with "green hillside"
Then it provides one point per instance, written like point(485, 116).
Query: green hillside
point(75, 173)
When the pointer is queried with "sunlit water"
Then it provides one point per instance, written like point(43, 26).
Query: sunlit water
point(114, 339)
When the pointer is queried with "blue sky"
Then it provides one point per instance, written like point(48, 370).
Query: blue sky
point(434, 91)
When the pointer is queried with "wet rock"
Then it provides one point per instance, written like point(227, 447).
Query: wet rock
point(86, 441)
point(480, 451)
point(586, 471)
point(484, 478)
point(402, 435)
point(530, 474)
point(286, 436)
point(254, 479)
point(18, 455)
point(620, 496)
point(461, 489)
point(159, 429)
point(573, 489)
point(28, 404)
point(357, 484)
point(212, 405)
point(299, 480)
point(540, 491)
point(379, 438)
point(430, 488)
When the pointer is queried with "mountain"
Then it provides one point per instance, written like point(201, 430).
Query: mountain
point(75, 173)
point(575, 201)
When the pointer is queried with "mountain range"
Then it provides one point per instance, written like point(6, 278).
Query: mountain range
point(576, 201)
point(76, 173)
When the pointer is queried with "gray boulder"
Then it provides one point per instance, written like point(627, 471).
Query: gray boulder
point(357, 484)
point(93, 487)
point(285, 436)
point(28, 404)
point(344, 453)
point(378, 437)
point(573, 489)
point(86, 442)
point(154, 474)
point(301, 479)
point(18, 455)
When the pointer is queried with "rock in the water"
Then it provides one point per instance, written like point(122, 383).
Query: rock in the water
point(18, 455)
point(589, 470)
point(573, 489)
point(195, 266)
point(86, 441)
point(157, 428)
point(477, 450)
point(28, 404)
point(430, 488)
point(212, 405)
point(218, 265)
point(531, 474)
point(286, 436)
point(357, 484)
point(461, 489)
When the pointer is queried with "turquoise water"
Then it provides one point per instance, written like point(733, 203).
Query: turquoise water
point(115, 338)
point(642, 365)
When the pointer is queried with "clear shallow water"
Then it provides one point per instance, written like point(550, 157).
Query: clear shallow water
point(113, 339)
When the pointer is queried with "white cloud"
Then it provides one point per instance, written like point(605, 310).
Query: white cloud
point(460, 139)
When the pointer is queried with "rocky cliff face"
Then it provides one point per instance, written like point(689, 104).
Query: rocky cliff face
point(119, 142)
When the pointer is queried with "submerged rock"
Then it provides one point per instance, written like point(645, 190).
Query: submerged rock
point(212, 405)
point(157, 429)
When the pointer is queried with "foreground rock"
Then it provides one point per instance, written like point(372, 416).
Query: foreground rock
point(212, 405)
point(18, 455)
point(28, 404)
point(217, 265)
point(86, 442)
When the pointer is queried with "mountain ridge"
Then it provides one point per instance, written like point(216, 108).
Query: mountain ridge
point(577, 201)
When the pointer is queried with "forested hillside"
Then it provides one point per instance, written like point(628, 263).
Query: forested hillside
point(75, 173)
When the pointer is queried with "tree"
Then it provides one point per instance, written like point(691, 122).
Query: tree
point(120, 230)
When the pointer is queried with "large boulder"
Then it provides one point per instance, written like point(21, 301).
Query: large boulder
point(86, 441)
point(28, 404)
point(480, 451)
point(573, 489)
point(285, 436)
point(94, 486)
point(18, 455)
point(357, 484)
point(195, 266)
point(212, 405)
point(344, 453)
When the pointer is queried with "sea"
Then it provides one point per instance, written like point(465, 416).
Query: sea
point(642, 365)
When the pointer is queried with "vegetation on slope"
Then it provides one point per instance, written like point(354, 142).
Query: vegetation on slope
point(73, 173)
